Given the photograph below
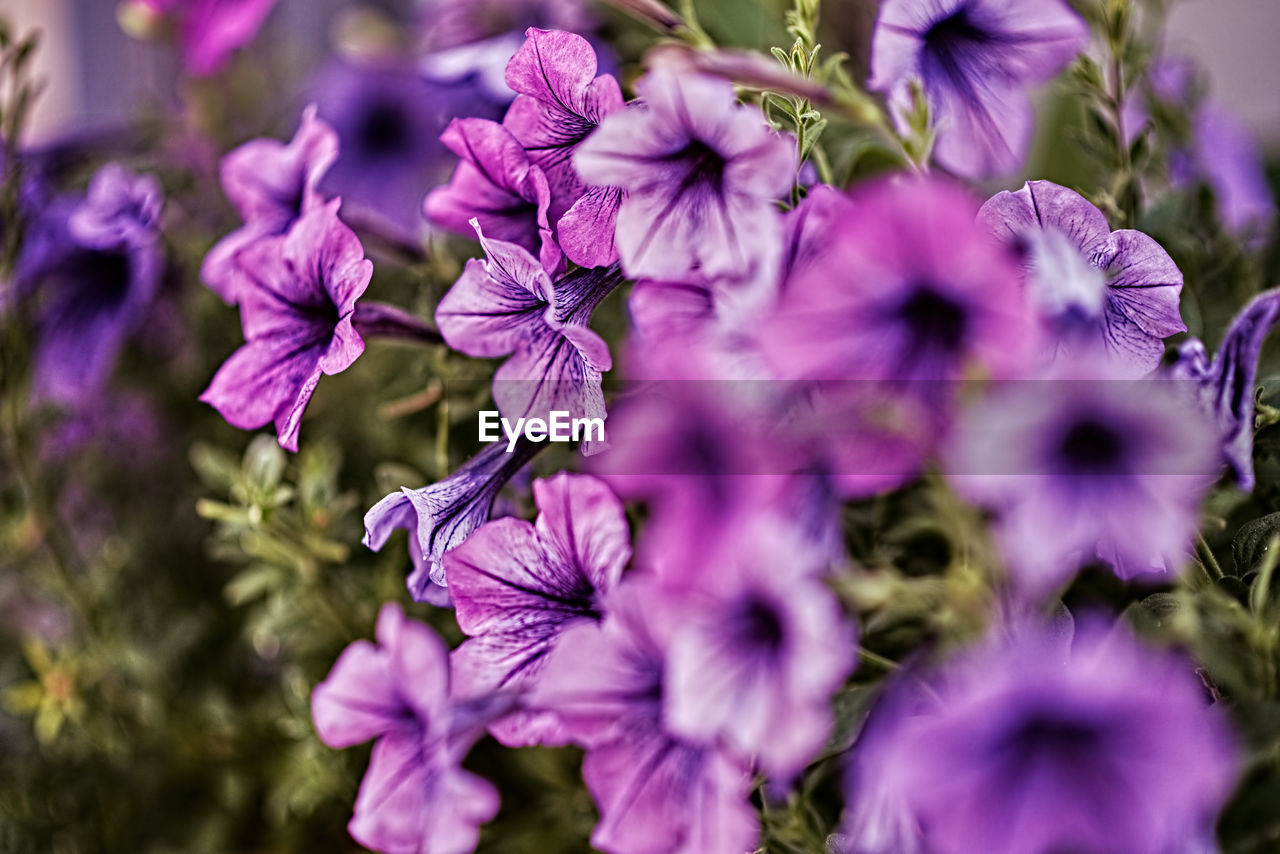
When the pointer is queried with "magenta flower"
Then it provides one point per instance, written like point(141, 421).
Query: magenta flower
point(701, 172)
point(1084, 466)
point(975, 59)
point(209, 31)
point(297, 297)
point(1095, 286)
point(508, 305)
point(890, 301)
point(759, 646)
point(270, 184)
point(518, 587)
point(415, 796)
point(497, 186)
point(561, 102)
point(657, 793)
point(1225, 385)
point(1092, 744)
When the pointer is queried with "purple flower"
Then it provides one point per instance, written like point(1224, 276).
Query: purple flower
point(270, 184)
point(1095, 744)
point(518, 587)
point(94, 266)
point(507, 304)
point(1090, 282)
point(975, 60)
point(443, 515)
point(496, 185)
point(1086, 466)
point(209, 31)
point(415, 795)
point(759, 648)
point(297, 296)
point(658, 793)
point(451, 23)
point(1225, 385)
point(561, 102)
point(389, 119)
point(891, 301)
point(701, 172)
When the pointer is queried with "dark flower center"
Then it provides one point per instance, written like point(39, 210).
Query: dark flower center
point(103, 276)
point(935, 321)
point(758, 625)
point(1092, 447)
point(383, 130)
point(949, 40)
point(706, 166)
point(1053, 738)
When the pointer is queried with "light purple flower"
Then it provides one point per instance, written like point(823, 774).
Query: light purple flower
point(657, 793)
point(701, 172)
point(297, 297)
point(94, 265)
point(415, 796)
point(1085, 466)
point(975, 59)
point(1090, 282)
point(759, 645)
point(560, 103)
point(496, 185)
point(209, 31)
point(270, 184)
point(389, 117)
point(518, 586)
point(452, 23)
point(508, 305)
point(1096, 743)
point(1225, 386)
point(441, 516)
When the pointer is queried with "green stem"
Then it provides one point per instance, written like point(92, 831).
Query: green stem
point(1207, 560)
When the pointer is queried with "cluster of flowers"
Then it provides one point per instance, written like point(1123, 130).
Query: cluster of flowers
point(1017, 344)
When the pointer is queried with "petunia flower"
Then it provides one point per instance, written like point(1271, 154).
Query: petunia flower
point(389, 117)
point(452, 23)
point(518, 587)
point(657, 793)
point(297, 298)
point(701, 173)
point(1096, 744)
point(1225, 386)
point(760, 645)
point(1082, 466)
point(208, 31)
point(93, 266)
point(497, 186)
point(441, 516)
point(508, 305)
point(561, 102)
point(270, 184)
point(415, 795)
point(975, 60)
point(1090, 282)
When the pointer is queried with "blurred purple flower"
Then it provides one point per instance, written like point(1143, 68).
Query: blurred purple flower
point(560, 103)
point(297, 297)
point(657, 793)
point(441, 516)
point(389, 119)
point(1090, 282)
point(507, 304)
point(1225, 385)
point(759, 646)
point(701, 172)
point(1095, 744)
point(1087, 466)
point(891, 301)
point(415, 796)
point(975, 60)
point(270, 184)
point(518, 587)
point(496, 185)
point(94, 268)
point(208, 31)
point(452, 23)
